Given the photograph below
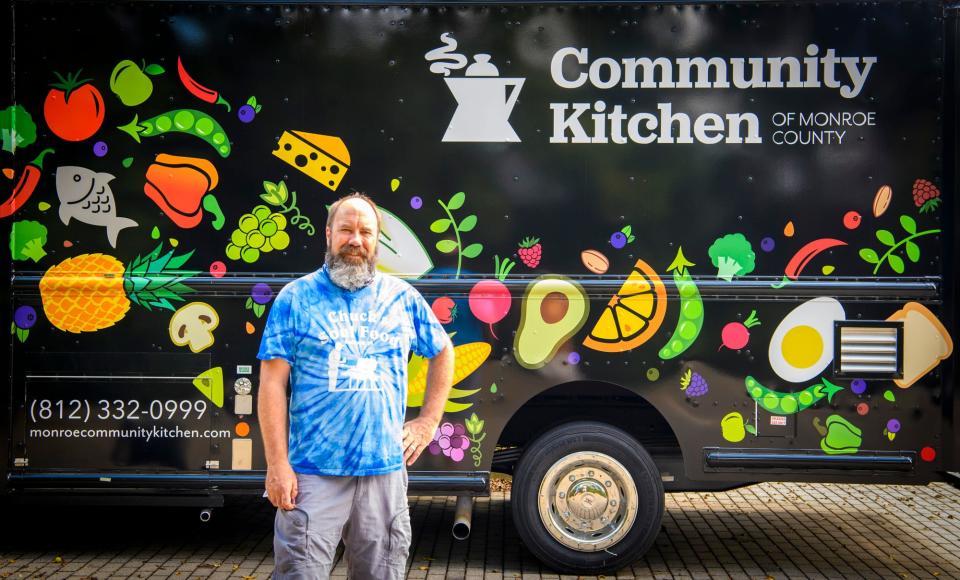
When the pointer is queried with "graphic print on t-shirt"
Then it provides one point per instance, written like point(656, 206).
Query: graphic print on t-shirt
point(359, 372)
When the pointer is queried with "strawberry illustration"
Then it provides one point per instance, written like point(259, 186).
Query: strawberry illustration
point(530, 252)
point(926, 195)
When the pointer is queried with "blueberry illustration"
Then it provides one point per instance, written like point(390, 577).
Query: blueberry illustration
point(246, 113)
point(261, 293)
point(893, 425)
point(858, 386)
point(416, 202)
point(25, 317)
point(767, 244)
point(618, 240)
point(573, 358)
point(100, 149)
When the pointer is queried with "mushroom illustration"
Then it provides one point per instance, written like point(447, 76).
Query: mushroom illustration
point(193, 326)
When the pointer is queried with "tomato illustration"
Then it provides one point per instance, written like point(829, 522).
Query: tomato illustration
point(73, 108)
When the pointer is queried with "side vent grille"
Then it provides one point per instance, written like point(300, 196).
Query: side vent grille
point(868, 349)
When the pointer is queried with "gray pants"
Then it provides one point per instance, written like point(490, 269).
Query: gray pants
point(370, 513)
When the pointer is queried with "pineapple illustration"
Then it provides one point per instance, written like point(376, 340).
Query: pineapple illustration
point(91, 292)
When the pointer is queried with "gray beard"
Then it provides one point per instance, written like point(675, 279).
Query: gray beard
point(350, 276)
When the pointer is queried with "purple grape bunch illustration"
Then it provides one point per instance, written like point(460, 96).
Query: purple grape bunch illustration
point(450, 440)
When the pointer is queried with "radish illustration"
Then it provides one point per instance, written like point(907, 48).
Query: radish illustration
point(735, 335)
point(489, 299)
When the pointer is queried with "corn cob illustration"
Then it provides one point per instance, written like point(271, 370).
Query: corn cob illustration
point(468, 358)
point(91, 292)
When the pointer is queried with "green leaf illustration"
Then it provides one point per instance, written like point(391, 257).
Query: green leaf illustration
point(22, 334)
point(154, 70)
point(869, 256)
point(908, 224)
point(913, 252)
point(886, 237)
point(456, 202)
point(439, 226)
point(446, 246)
point(468, 223)
point(896, 263)
point(472, 251)
point(249, 304)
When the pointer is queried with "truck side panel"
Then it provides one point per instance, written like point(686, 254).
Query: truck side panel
point(688, 203)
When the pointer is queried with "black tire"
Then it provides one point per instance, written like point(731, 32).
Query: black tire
point(582, 446)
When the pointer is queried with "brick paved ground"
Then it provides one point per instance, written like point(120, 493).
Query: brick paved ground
point(766, 530)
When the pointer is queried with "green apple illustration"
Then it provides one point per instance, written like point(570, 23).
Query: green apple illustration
point(131, 83)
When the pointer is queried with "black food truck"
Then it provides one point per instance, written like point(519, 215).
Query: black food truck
point(677, 246)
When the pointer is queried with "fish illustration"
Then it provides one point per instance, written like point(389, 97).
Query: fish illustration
point(85, 195)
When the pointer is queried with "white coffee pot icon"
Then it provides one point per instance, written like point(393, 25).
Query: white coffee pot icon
point(484, 104)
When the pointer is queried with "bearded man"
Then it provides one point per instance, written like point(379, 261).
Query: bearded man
point(341, 337)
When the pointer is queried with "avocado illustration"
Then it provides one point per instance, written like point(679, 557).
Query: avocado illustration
point(554, 308)
point(839, 435)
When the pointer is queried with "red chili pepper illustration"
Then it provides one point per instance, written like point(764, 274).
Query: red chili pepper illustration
point(803, 257)
point(25, 186)
point(198, 90)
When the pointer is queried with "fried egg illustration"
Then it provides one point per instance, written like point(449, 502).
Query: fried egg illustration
point(802, 344)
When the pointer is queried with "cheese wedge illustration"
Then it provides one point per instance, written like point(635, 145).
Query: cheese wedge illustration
point(322, 157)
point(210, 383)
point(926, 342)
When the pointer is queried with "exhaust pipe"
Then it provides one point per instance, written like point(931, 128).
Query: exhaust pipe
point(462, 517)
point(206, 514)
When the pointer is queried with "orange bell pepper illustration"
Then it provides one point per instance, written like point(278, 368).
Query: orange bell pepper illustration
point(179, 185)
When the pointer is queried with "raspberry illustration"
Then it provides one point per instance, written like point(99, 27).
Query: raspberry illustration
point(926, 195)
point(694, 384)
point(530, 252)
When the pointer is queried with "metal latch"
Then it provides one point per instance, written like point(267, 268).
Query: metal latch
point(212, 464)
point(21, 462)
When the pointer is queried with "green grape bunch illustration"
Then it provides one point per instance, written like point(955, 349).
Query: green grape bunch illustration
point(258, 233)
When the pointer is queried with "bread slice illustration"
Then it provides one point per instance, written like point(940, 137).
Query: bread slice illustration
point(925, 342)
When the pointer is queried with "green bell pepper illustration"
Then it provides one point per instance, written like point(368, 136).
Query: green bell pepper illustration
point(839, 435)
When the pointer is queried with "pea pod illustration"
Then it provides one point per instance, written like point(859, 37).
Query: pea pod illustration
point(691, 309)
point(790, 403)
point(189, 121)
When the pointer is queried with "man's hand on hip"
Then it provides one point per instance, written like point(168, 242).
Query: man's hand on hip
point(282, 486)
point(417, 435)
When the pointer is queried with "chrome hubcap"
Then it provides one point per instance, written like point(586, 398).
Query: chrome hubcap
point(587, 501)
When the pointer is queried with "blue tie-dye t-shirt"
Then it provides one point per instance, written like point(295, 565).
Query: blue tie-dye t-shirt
point(348, 355)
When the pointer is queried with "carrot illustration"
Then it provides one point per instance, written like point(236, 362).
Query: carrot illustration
point(198, 90)
point(803, 257)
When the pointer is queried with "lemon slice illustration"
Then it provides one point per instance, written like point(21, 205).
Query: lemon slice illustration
point(633, 315)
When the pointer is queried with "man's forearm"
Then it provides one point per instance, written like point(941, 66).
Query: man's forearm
point(439, 378)
point(272, 411)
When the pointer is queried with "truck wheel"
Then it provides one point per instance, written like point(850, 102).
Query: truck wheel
point(587, 498)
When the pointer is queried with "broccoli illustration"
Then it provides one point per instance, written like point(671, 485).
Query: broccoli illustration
point(17, 127)
point(733, 256)
point(27, 239)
